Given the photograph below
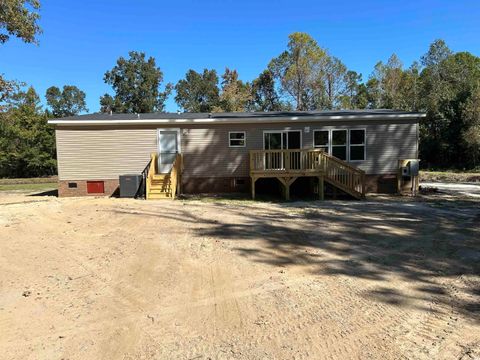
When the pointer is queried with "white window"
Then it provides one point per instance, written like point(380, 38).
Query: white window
point(339, 144)
point(237, 138)
point(321, 140)
point(282, 139)
point(357, 144)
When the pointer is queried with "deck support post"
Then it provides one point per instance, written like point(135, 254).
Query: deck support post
point(253, 180)
point(321, 188)
point(287, 181)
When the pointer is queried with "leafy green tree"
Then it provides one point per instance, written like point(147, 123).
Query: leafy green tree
point(392, 87)
point(434, 95)
point(7, 89)
point(264, 94)
point(374, 93)
point(437, 52)
point(298, 70)
point(27, 143)
point(235, 94)
point(391, 80)
point(471, 132)
point(355, 93)
point(198, 92)
point(387, 84)
point(67, 102)
point(109, 104)
point(334, 83)
point(136, 82)
point(19, 18)
point(449, 83)
point(360, 100)
point(411, 88)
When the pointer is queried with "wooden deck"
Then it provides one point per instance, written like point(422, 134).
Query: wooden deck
point(289, 165)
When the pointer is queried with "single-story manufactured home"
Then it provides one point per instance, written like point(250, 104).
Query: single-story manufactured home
point(355, 151)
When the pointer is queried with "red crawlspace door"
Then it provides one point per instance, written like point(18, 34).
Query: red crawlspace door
point(95, 187)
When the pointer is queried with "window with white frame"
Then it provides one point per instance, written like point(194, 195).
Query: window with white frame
point(339, 144)
point(237, 138)
point(320, 140)
point(357, 144)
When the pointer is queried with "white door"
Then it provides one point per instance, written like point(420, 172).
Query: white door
point(168, 148)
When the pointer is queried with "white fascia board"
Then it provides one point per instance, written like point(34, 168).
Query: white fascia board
point(237, 121)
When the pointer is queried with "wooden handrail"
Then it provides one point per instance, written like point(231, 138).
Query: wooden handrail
point(342, 162)
point(284, 160)
point(175, 175)
point(343, 175)
point(292, 162)
point(285, 151)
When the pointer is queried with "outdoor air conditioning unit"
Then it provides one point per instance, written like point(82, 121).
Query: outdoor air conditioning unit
point(129, 185)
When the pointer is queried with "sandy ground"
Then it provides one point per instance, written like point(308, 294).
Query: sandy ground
point(471, 190)
point(96, 278)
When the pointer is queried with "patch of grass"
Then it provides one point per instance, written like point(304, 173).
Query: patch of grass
point(41, 180)
point(28, 187)
point(449, 176)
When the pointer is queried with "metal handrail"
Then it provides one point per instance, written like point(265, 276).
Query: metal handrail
point(142, 189)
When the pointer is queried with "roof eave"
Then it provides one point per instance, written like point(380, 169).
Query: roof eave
point(411, 116)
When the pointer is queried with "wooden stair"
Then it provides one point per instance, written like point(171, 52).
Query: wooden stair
point(343, 176)
point(160, 187)
point(289, 164)
point(163, 186)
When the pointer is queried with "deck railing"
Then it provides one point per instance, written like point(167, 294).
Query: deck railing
point(343, 175)
point(278, 161)
point(264, 163)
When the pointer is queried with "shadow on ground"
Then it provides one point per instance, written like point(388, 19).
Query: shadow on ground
point(420, 243)
point(46, 193)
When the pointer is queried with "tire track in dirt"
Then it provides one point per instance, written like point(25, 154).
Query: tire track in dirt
point(260, 310)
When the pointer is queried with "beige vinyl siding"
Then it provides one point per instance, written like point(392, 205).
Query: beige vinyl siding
point(206, 151)
point(385, 145)
point(96, 152)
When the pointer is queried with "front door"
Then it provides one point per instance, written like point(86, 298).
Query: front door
point(168, 148)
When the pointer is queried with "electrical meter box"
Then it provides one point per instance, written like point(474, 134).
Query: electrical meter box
point(412, 168)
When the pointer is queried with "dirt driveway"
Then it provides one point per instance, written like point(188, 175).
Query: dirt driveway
point(467, 190)
point(95, 278)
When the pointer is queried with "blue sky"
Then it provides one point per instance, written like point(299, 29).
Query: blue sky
point(83, 39)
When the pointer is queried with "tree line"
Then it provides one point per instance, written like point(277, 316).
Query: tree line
point(304, 77)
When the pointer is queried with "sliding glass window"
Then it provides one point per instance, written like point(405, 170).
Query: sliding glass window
point(357, 144)
point(321, 140)
point(339, 144)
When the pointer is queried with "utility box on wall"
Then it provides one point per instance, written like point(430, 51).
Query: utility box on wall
point(408, 174)
point(411, 168)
